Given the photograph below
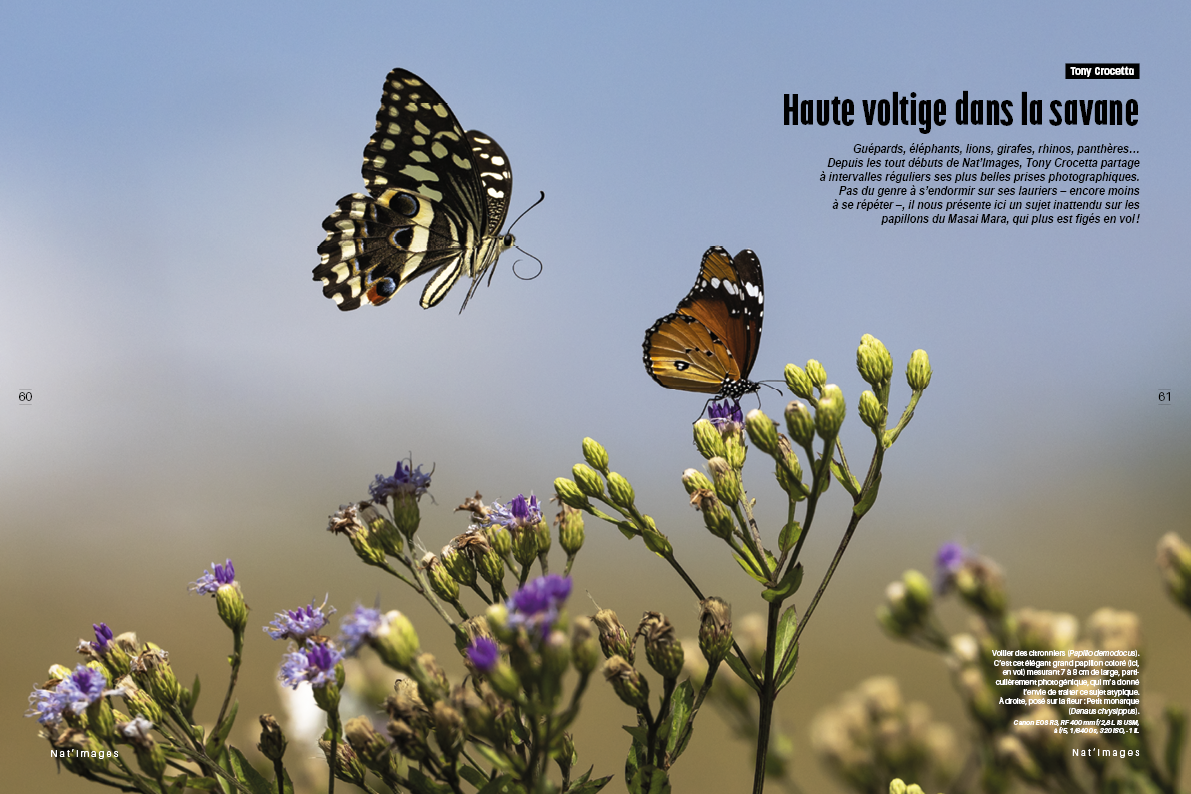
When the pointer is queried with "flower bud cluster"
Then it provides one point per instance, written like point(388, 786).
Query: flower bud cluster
point(871, 730)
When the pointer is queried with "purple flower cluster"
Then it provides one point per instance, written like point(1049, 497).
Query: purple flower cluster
point(517, 514)
point(103, 636)
point(209, 582)
point(535, 606)
point(313, 664)
point(406, 481)
point(360, 626)
point(299, 624)
point(948, 560)
point(720, 413)
point(484, 653)
point(74, 693)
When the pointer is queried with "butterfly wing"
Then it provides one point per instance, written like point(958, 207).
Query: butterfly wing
point(428, 207)
point(683, 353)
point(710, 343)
point(729, 298)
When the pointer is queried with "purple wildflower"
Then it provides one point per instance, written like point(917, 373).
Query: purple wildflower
point(406, 481)
point(517, 514)
point(948, 560)
point(314, 664)
point(720, 413)
point(360, 626)
point(299, 624)
point(536, 604)
point(484, 653)
point(208, 583)
point(74, 694)
point(103, 636)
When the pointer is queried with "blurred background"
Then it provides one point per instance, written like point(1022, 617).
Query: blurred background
point(164, 171)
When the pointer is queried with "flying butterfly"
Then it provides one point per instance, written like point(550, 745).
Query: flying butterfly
point(437, 198)
point(710, 342)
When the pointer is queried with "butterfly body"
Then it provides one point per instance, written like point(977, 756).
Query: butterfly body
point(437, 198)
point(709, 343)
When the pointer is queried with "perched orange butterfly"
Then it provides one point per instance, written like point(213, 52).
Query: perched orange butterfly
point(710, 342)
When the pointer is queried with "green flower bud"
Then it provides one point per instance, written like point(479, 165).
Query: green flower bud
point(273, 741)
point(595, 455)
point(115, 656)
point(919, 592)
point(715, 629)
point(370, 747)
point(870, 409)
point(432, 682)
point(816, 373)
point(476, 713)
point(588, 481)
point(918, 370)
point(914, 788)
point(716, 516)
point(229, 603)
point(585, 645)
point(406, 514)
point(873, 361)
point(830, 413)
point(542, 532)
point(570, 494)
point(449, 727)
point(151, 759)
point(525, 545)
point(897, 786)
point(499, 539)
point(346, 764)
point(727, 480)
point(326, 697)
point(492, 568)
point(441, 581)
point(556, 658)
point(566, 758)
point(614, 640)
point(800, 423)
point(627, 683)
point(505, 682)
point(497, 617)
point(708, 440)
point(662, 648)
point(762, 431)
point(694, 480)
point(384, 532)
point(396, 642)
point(981, 584)
point(152, 672)
point(140, 703)
point(619, 491)
point(408, 741)
point(570, 530)
point(734, 445)
point(458, 565)
point(1174, 561)
point(100, 720)
point(799, 382)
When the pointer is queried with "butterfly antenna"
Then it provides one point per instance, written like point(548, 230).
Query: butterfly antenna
point(527, 209)
point(766, 385)
point(541, 267)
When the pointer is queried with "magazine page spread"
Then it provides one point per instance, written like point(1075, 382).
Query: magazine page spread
point(529, 397)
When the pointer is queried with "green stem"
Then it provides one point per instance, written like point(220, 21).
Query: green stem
point(768, 696)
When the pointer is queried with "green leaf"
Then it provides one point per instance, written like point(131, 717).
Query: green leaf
point(789, 585)
point(496, 758)
point(681, 703)
point(868, 498)
point(639, 732)
point(420, 783)
point(218, 737)
point(473, 776)
point(627, 528)
point(585, 786)
point(650, 780)
point(743, 562)
point(786, 627)
point(636, 755)
point(741, 671)
point(789, 536)
point(846, 480)
point(246, 774)
point(505, 784)
point(200, 783)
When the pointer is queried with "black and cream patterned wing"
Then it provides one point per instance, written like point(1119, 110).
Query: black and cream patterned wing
point(428, 209)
